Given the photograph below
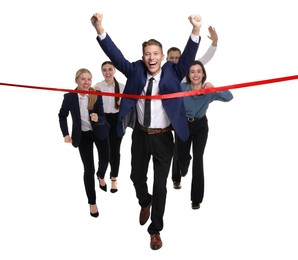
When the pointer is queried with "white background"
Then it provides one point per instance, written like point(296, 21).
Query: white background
point(250, 205)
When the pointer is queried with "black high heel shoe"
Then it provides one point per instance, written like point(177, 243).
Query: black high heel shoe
point(95, 215)
point(104, 187)
point(113, 190)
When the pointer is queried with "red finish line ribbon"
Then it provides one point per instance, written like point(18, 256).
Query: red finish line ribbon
point(165, 96)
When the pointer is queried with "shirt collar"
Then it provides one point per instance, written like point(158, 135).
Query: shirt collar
point(83, 96)
point(156, 77)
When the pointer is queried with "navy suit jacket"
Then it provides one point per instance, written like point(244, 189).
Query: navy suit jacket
point(71, 104)
point(136, 74)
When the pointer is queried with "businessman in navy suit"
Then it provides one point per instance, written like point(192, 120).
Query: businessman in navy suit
point(155, 139)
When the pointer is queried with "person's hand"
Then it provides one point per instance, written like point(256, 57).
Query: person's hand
point(67, 139)
point(196, 21)
point(213, 35)
point(207, 85)
point(94, 117)
point(96, 21)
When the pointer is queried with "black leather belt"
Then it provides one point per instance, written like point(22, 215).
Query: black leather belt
point(154, 131)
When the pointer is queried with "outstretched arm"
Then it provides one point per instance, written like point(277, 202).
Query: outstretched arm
point(212, 48)
point(96, 21)
point(108, 46)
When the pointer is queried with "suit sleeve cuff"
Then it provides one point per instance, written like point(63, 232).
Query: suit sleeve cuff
point(102, 36)
point(195, 38)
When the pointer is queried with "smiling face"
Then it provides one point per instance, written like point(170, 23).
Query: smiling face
point(173, 56)
point(196, 74)
point(108, 72)
point(84, 80)
point(152, 56)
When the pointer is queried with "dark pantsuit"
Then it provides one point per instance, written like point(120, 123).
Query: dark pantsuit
point(198, 131)
point(176, 167)
point(115, 143)
point(86, 152)
point(160, 147)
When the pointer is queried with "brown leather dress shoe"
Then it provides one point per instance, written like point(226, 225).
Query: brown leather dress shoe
point(177, 185)
point(155, 242)
point(145, 214)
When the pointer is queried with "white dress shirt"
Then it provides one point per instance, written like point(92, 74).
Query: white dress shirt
point(85, 117)
point(159, 118)
point(108, 101)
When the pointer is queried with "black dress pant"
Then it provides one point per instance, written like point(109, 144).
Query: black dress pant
point(198, 134)
point(160, 147)
point(115, 143)
point(87, 156)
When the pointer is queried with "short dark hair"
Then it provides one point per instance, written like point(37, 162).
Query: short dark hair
point(173, 49)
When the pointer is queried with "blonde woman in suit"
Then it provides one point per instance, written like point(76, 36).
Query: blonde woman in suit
point(89, 127)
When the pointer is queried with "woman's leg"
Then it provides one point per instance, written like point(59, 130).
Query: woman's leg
point(86, 153)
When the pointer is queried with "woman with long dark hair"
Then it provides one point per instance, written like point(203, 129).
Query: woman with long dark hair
point(111, 107)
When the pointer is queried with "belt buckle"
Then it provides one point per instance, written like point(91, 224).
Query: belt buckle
point(151, 131)
point(190, 119)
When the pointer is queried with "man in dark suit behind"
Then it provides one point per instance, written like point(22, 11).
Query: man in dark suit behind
point(155, 139)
